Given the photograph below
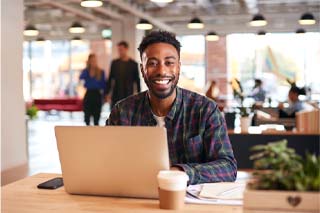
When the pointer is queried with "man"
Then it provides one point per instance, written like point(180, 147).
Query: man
point(258, 93)
point(197, 135)
point(295, 105)
point(124, 77)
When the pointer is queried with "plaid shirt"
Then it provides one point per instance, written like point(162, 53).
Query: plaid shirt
point(197, 135)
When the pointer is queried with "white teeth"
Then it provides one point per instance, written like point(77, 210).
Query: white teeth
point(162, 81)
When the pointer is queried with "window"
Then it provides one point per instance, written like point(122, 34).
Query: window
point(53, 68)
point(273, 59)
point(192, 74)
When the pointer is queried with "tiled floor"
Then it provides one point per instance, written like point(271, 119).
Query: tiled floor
point(43, 153)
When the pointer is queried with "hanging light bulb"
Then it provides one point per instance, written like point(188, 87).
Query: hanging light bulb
point(212, 36)
point(76, 40)
point(76, 27)
point(30, 30)
point(40, 40)
point(307, 19)
point(162, 1)
point(195, 23)
point(258, 20)
point(91, 3)
point(261, 33)
point(144, 25)
point(300, 31)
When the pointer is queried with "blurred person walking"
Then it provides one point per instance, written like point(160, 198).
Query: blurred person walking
point(124, 77)
point(95, 83)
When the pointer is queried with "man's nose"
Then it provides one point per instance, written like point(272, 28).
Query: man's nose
point(162, 68)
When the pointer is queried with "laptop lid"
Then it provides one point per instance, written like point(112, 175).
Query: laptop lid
point(113, 160)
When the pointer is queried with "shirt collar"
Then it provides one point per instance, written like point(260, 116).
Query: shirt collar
point(175, 107)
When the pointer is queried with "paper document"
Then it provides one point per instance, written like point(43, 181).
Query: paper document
point(193, 196)
point(225, 190)
point(223, 193)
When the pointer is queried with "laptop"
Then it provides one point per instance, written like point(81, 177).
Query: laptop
point(120, 161)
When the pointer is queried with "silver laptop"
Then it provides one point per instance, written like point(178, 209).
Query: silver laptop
point(112, 161)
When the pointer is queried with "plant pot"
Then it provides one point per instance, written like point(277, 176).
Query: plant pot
point(267, 201)
point(245, 122)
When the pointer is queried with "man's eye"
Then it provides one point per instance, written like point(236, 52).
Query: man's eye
point(152, 63)
point(169, 63)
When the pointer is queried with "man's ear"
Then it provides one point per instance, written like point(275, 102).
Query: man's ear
point(141, 70)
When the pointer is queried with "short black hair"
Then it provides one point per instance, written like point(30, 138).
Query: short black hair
point(258, 82)
point(123, 43)
point(295, 90)
point(159, 36)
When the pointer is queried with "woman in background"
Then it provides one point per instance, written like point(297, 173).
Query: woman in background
point(95, 83)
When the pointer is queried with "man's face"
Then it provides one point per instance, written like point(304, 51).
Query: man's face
point(293, 97)
point(123, 51)
point(160, 69)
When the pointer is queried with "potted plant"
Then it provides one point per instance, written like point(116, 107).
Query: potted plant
point(283, 181)
point(245, 120)
point(32, 111)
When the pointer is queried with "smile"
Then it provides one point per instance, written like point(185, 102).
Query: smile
point(162, 82)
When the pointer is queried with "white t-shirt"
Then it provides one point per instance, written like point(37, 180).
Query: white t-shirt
point(160, 121)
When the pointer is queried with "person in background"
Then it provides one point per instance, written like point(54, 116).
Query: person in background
point(295, 105)
point(197, 136)
point(213, 91)
point(94, 82)
point(124, 77)
point(258, 93)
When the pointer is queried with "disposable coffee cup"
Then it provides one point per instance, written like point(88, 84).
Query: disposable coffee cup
point(172, 189)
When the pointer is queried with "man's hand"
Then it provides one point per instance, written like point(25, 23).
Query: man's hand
point(107, 99)
point(175, 168)
point(280, 106)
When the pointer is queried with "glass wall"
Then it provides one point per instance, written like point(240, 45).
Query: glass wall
point(51, 68)
point(192, 74)
point(275, 58)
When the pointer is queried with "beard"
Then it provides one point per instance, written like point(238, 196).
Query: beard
point(162, 93)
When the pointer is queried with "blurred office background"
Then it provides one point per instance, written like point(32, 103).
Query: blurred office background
point(271, 40)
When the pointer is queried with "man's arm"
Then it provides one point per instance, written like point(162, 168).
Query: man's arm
point(109, 86)
point(220, 163)
point(137, 78)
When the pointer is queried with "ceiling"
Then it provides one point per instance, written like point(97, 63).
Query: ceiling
point(53, 18)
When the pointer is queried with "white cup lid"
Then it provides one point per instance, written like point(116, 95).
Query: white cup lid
point(172, 180)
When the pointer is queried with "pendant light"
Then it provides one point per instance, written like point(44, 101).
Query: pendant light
point(258, 20)
point(195, 23)
point(144, 25)
point(307, 19)
point(30, 30)
point(76, 40)
point(300, 31)
point(212, 36)
point(162, 1)
point(91, 3)
point(76, 27)
point(261, 33)
point(40, 40)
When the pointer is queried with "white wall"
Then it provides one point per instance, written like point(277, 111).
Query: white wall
point(126, 30)
point(13, 127)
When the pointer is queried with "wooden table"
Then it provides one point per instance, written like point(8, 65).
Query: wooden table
point(23, 196)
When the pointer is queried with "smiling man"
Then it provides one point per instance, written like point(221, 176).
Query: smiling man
point(197, 135)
